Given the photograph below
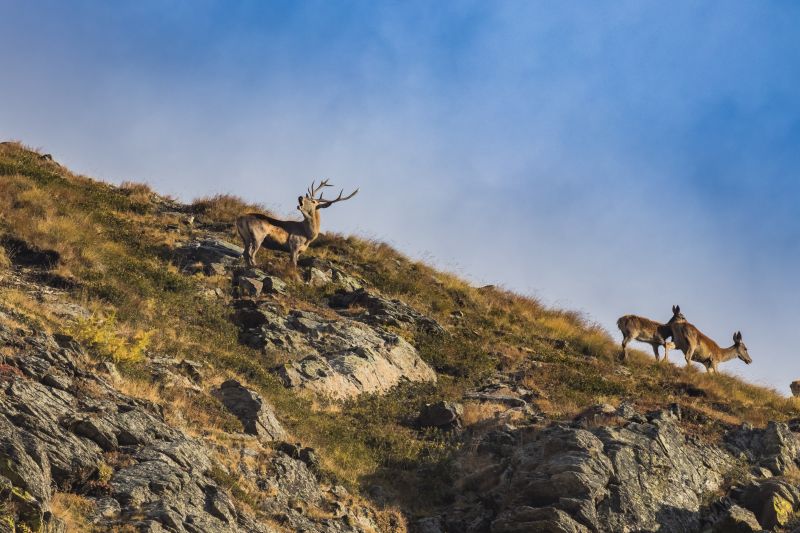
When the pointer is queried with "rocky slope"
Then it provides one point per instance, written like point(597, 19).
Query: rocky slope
point(153, 383)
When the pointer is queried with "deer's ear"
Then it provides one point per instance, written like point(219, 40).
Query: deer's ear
point(737, 337)
point(676, 309)
point(324, 205)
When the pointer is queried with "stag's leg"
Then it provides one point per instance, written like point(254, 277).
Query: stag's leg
point(255, 247)
point(666, 352)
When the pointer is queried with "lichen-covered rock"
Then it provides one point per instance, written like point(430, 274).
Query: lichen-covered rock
point(339, 358)
point(773, 501)
point(256, 415)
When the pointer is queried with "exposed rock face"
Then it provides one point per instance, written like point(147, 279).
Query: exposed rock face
point(214, 254)
point(641, 476)
point(57, 423)
point(256, 415)
point(340, 358)
point(773, 501)
point(383, 311)
point(253, 282)
point(775, 448)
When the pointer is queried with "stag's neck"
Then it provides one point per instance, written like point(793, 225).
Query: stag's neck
point(312, 226)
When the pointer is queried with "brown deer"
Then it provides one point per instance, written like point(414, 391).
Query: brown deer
point(698, 347)
point(645, 330)
point(291, 236)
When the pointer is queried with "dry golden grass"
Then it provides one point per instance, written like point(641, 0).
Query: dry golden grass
point(5, 260)
point(224, 207)
point(477, 412)
point(74, 510)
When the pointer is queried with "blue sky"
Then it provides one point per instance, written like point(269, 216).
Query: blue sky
point(614, 157)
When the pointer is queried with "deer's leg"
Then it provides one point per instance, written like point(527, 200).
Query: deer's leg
point(625, 342)
point(655, 351)
point(666, 352)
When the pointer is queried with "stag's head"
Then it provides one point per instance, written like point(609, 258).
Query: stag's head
point(309, 203)
point(741, 349)
point(677, 316)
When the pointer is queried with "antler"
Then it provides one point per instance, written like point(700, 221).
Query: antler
point(314, 190)
point(337, 199)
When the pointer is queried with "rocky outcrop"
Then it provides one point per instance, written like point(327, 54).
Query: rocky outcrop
point(772, 501)
point(58, 422)
point(210, 255)
point(640, 476)
point(775, 448)
point(256, 415)
point(377, 310)
point(62, 427)
point(253, 282)
point(338, 358)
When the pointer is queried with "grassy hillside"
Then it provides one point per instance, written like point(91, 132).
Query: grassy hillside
point(115, 246)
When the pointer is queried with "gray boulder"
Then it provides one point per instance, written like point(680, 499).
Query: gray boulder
point(442, 415)
point(256, 415)
point(336, 358)
point(214, 254)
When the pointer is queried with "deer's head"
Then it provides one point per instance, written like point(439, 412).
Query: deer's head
point(309, 203)
point(677, 316)
point(741, 349)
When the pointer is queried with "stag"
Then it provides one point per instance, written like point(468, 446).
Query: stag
point(293, 236)
point(696, 346)
point(645, 330)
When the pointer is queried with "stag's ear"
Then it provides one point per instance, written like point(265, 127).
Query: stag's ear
point(737, 337)
point(323, 205)
point(676, 309)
